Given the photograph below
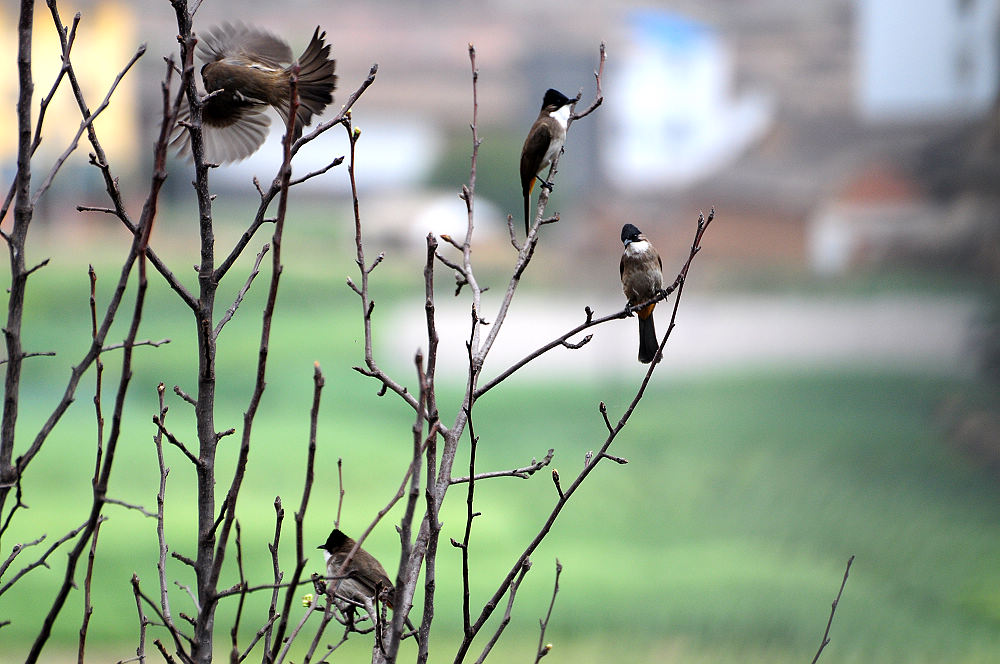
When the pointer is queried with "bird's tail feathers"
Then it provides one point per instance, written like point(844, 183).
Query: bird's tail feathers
point(648, 343)
point(316, 83)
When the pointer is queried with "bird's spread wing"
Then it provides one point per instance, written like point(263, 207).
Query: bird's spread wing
point(236, 40)
point(229, 137)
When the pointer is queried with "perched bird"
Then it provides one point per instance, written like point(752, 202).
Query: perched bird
point(642, 279)
point(364, 578)
point(250, 69)
point(544, 141)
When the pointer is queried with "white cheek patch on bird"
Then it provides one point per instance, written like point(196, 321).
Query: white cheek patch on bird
point(562, 117)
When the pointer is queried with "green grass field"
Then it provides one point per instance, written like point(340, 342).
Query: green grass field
point(724, 538)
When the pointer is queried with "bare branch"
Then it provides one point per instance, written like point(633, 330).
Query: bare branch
point(88, 608)
point(300, 556)
point(17, 549)
point(43, 107)
point(161, 497)
point(234, 654)
point(524, 472)
point(272, 610)
point(147, 342)
point(555, 481)
point(515, 584)
point(562, 340)
point(833, 610)
point(41, 561)
point(175, 442)
point(336, 162)
point(367, 304)
point(543, 648)
point(295, 632)
point(179, 637)
point(598, 95)
point(583, 342)
point(470, 513)
point(95, 208)
point(25, 356)
point(137, 508)
point(256, 638)
point(140, 650)
point(185, 396)
point(604, 413)
point(87, 122)
point(182, 558)
point(340, 494)
point(242, 293)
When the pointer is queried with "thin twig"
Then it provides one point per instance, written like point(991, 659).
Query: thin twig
point(544, 648)
point(277, 575)
point(137, 508)
point(256, 638)
point(300, 556)
point(524, 472)
point(599, 95)
point(515, 584)
point(241, 294)
point(88, 608)
point(18, 548)
point(833, 610)
point(234, 631)
point(147, 342)
point(37, 563)
point(140, 650)
point(25, 356)
point(175, 442)
point(340, 493)
point(336, 162)
point(470, 513)
point(161, 495)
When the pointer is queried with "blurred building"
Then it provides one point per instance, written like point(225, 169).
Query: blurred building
point(792, 118)
point(105, 40)
point(671, 117)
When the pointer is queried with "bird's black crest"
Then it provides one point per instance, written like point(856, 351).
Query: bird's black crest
point(555, 98)
point(629, 232)
point(334, 541)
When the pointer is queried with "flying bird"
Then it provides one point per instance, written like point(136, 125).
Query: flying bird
point(641, 271)
point(249, 69)
point(545, 139)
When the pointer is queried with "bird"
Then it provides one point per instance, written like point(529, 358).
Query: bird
point(545, 139)
point(363, 578)
point(249, 69)
point(641, 271)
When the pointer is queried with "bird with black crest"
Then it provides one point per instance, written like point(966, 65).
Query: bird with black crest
point(362, 580)
point(641, 271)
point(544, 141)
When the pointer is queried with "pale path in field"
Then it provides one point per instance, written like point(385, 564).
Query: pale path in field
point(714, 334)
